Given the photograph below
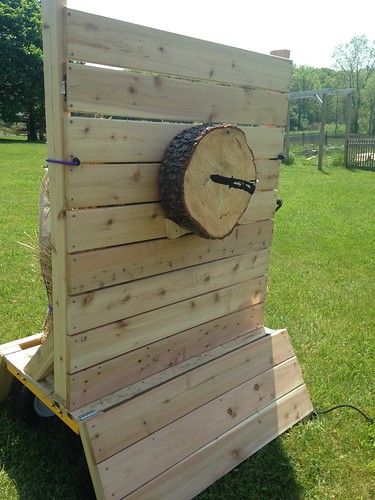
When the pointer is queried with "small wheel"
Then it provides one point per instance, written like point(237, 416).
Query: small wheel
point(28, 407)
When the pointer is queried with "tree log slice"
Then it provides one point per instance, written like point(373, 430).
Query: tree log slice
point(189, 196)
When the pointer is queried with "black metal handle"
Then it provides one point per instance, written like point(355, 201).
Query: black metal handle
point(279, 204)
point(280, 156)
point(232, 182)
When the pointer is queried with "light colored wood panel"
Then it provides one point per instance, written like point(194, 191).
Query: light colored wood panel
point(54, 61)
point(118, 184)
point(116, 43)
point(103, 343)
point(140, 95)
point(125, 184)
point(161, 450)
point(97, 381)
point(104, 227)
point(41, 364)
point(119, 397)
point(95, 228)
point(98, 307)
point(262, 206)
point(170, 350)
point(99, 268)
point(139, 417)
point(268, 174)
point(93, 469)
point(109, 141)
point(195, 473)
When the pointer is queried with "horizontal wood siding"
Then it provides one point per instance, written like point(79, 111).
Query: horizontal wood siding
point(126, 184)
point(171, 350)
point(124, 425)
point(95, 140)
point(123, 93)
point(99, 307)
point(106, 342)
point(196, 472)
point(161, 450)
point(109, 266)
point(116, 43)
point(99, 380)
point(104, 227)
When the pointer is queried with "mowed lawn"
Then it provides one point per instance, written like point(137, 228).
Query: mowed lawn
point(322, 287)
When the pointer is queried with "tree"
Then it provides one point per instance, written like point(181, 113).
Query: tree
point(304, 78)
point(356, 60)
point(369, 99)
point(21, 63)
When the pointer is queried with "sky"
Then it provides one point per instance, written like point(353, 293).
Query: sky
point(310, 29)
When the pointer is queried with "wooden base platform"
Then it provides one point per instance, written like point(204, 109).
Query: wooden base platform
point(173, 434)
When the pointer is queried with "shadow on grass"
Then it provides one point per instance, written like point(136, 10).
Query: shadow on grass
point(20, 140)
point(46, 462)
point(43, 461)
point(267, 474)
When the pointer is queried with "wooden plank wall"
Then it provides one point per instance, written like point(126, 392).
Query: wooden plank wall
point(136, 301)
point(174, 439)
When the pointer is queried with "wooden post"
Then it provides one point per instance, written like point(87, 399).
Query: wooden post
point(287, 134)
point(348, 116)
point(285, 53)
point(55, 59)
point(322, 130)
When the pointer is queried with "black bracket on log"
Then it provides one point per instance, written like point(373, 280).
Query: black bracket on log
point(231, 182)
point(279, 204)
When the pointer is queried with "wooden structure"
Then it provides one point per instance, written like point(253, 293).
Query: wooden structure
point(159, 356)
point(321, 95)
point(360, 152)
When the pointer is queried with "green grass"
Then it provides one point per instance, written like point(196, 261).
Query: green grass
point(321, 288)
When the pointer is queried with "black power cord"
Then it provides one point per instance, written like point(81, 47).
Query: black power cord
point(316, 413)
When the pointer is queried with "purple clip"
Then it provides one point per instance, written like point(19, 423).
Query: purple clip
point(74, 162)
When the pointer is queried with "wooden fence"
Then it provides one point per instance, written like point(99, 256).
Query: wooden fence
point(360, 152)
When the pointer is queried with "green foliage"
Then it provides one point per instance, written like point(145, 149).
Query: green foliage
point(290, 160)
point(21, 76)
point(369, 102)
point(354, 68)
point(322, 286)
point(356, 62)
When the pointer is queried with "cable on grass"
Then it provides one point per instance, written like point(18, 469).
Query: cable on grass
point(316, 413)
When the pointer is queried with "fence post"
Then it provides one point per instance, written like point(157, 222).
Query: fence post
point(347, 126)
point(322, 128)
point(287, 134)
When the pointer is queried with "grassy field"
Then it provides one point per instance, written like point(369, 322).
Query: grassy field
point(321, 286)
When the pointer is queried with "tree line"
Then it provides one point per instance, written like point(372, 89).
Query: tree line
point(354, 67)
point(22, 93)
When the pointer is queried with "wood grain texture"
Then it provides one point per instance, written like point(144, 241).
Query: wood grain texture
point(161, 450)
point(141, 363)
point(95, 228)
point(95, 140)
point(116, 43)
point(54, 63)
point(99, 307)
point(126, 184)
point(134, 390)
point(99, 380)
point(106, 342)
point(100, 268)
point(124, 93)
point(196, 472)
point(262, 206)
point(124, 425)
